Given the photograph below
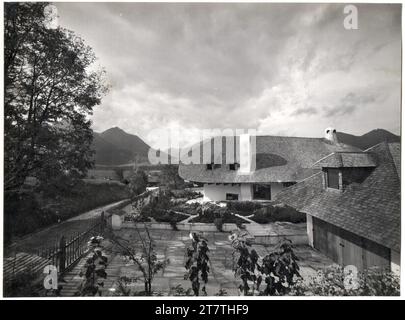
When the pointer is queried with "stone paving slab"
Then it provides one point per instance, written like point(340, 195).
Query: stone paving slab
point(171, 245)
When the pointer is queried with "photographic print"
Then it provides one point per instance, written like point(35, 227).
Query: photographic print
point(201, 149)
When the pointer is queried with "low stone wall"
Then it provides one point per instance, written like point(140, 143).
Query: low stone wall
point(272, 239)
point(264, 238)
point(202, 227)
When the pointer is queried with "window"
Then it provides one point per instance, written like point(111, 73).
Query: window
point(232, 196)
point(232, 166)
point(261, 192)
point(288, 184)
point(332, 178)
point(212, 166)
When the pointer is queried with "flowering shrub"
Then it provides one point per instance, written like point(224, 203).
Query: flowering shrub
point(338, 281)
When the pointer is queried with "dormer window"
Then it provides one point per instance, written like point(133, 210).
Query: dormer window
point(332, 178)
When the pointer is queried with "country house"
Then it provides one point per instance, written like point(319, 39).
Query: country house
point(276, 163)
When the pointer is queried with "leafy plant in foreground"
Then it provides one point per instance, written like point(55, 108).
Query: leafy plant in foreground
point(93, 270)
point(246, 265)
point(146, 260)
point(277, 270)
point(197, 263)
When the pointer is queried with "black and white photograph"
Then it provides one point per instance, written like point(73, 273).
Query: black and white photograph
point(201, 149)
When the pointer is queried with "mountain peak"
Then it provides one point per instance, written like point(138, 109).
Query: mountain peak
point(119, 147)
point(368, 139)
point(113, 130)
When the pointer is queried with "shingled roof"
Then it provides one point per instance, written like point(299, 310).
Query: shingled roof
point(370, 209)
point(346, 160)
point(278, 159)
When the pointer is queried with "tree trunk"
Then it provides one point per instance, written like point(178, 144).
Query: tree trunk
point(148, 287)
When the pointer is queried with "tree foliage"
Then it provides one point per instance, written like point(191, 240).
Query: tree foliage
point(138, 182)
point(51, 87)
point(171, 178)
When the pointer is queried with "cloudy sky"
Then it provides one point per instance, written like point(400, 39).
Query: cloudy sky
point(283, 69)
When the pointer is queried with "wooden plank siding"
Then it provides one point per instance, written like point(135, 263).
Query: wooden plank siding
point(347, 248)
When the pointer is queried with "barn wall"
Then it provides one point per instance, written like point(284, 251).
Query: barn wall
point(347, 248)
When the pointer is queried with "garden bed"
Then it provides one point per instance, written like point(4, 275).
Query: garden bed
point(168, 216)
point(158, 216)
point(188, 208)
point(274, 213)
point(245, 208)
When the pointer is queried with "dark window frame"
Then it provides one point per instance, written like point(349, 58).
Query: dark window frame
point(333, 178)
point(232, 196)
point(256, 191)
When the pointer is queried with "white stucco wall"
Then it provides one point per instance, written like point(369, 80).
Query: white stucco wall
point(395, 262)
point(246, 191)
point(214, 192)
point(310, 230)
point(276, 187)
point(217, 192)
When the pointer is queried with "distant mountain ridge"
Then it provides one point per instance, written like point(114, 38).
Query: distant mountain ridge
point(117, 147)
point(368, 139)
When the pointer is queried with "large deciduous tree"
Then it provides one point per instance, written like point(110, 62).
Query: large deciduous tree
point(51, 86)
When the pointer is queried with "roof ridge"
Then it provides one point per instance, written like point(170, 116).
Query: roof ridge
point(376, 145)
point(311, 176)
point(269, 135)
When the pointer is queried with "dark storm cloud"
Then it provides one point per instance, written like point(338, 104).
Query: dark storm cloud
point(348, 105)
point(265, 66)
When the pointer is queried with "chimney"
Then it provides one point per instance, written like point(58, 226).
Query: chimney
point(330, 135)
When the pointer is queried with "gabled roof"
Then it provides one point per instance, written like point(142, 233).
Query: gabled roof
point(278, 159)
point(370, 209)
